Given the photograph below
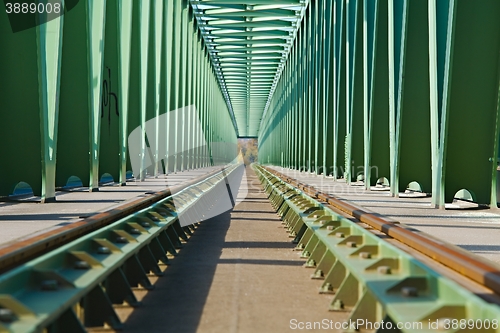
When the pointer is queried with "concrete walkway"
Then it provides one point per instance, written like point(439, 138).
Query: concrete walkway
point(237, 273)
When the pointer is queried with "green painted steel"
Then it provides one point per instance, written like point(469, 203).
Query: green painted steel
point(80, 95)
point(411, 94)
point(49, 43)
point(376, 119)
point(248, 42)
point(412, 156)
point(109, 145)
point(355, 92)
point(359, 89)
point(86, 277)
point(86, 80)
point(468, 110)
point(30, 63)
point(124, 45)
point(370, 278)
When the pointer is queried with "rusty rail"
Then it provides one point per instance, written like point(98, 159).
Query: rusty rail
point(451, 256)
point(20, 252)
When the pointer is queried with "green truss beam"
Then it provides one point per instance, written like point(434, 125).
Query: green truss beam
point(247, 39)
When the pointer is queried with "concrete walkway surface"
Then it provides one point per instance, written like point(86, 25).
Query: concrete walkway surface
point(237, 273)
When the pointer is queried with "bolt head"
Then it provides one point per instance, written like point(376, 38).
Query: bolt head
point(7, 316)
point(409, 291)
point(135, 231)
point(49, 285)
point(338, 305)
point(121, 240)
point(384, 270)
point(103, 250)
point(365, 255)
point(327, 287)
point(81, 264)
point(318, 274)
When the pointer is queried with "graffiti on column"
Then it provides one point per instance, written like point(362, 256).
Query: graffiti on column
point(107, 94)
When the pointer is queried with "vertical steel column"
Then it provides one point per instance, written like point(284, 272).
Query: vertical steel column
point(176, 81)
point(339, 121)
point(317, 84)
point(109, 142)
point(293, 107)
point(204, 108)
point(169, 87)
point(211, 132)
point(377, 164)
point(134, 98)
point(329, 85)
point(309, 90)
point(438, 32)
point(196, 96)
point(289, 124)
point(397, 30)
point(324, 67)
point(354, 91)
point(153, 87)
point(187, 135)
point(164, 94)
point(369, 33)
point(49, 40)
point(470, 105)
point(413, 118)
point(97, 10)
point(297, 83)
point(304, 88)
point(124, 44)
point(183, 80)
point(143, 65)
point(157, 88)
point(138, 100)
point(80, 95)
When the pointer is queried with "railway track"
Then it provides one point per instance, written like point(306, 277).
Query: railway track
point(22, 251)
point(70, 279)
point(370, 264)
point(76, 280)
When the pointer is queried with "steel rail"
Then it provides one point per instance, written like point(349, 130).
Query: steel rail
point(21, 252)
point(371, 278)
point(455, 258)
point(76, 286)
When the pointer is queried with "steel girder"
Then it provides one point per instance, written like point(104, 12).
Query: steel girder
point(87, 79)
point(397, 89)
point(246, 39)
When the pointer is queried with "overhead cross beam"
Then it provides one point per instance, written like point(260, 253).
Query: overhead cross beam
point(249, 42)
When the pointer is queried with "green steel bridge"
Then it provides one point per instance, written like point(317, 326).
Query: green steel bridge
point(405, 89)
point(399, 98)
